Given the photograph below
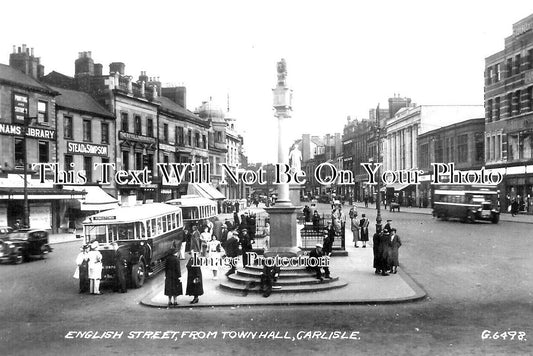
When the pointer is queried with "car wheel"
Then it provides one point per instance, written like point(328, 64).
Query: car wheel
point(138, 274)
point(18, 259)
point(495, 218)
point(44, 252)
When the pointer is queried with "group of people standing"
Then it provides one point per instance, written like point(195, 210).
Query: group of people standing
point(359, 227)
point(89, 268)
point(386, 246)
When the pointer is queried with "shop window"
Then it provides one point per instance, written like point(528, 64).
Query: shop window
point(67, 127)
point(43, 151)
point(513, 152)
point(20, 151)
point(42, 112)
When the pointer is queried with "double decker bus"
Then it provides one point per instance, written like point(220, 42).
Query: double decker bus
point(195, 209)
point(143, 234)
point(466, 202)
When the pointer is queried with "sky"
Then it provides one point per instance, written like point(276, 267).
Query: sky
point(343, 57)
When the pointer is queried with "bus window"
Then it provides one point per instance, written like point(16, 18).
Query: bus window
point(169, 222)
point(113, 233)
point(139, 230)
point(174, 219)
point(159, 226)
point(148, 228)
point(96, 232)
point(154, 227)
point(126, 231)
point(164, 223)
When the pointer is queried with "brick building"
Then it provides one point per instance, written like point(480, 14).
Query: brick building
point(509, 115)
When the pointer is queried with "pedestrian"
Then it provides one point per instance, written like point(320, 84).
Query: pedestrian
point(355, 230)
point(317, 253)
point(95, 268)
point(514, 207)
point(195, 286)
point(363, 224)
point(366, 201)
point(228, 224)
point(213, 254)
point(16, 226)
point(395, 244)
point(122, 256)
point(82, 261)
point(223, 235)
point(378, 250)
point(353, 212)
point(385, 248)
point(196, 244)
point(307, 214)
point(205, 237)
point(236, 220)
point(316, 221)
point(173, 286)
point(246, 246)
point(232, 250)
point(387, 226)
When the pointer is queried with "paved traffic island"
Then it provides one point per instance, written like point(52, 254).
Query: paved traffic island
point(363, 286)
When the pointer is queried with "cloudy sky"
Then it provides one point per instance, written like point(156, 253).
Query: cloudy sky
point(343, 57)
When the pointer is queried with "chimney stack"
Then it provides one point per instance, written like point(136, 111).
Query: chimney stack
point(25, 61)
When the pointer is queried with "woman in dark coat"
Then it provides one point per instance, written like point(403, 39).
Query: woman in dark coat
point(395, 244)
point(378, 250)
point(173, 286)
point(194, 280)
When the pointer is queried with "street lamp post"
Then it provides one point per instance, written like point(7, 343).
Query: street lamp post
point(378, 159)
point(26, 207)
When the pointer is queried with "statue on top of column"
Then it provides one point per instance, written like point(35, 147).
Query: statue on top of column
point(282, 72)
point(295, 158)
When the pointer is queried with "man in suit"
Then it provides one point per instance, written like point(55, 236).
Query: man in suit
point(317, 253)
point(246, 245)
point(232, 249)
point(196, 243)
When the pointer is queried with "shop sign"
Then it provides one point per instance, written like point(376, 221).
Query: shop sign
point(20, 106)
point(133, 137)
point(35, 132)
point(103, 218)
point(87, 149)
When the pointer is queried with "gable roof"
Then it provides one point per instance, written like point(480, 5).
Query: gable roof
point(169, 105)
point(15, 77)
point(80, 101)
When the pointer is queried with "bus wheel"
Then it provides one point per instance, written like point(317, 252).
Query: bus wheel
point(470, 217)
point(495, 218)
point(138, 274)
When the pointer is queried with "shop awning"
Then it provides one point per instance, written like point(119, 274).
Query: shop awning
point(205, 190)
point(17, 193)
point(96, 198)
point(398, 187)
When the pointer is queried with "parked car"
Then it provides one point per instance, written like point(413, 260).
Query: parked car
point(21, 245)
point(4, 230)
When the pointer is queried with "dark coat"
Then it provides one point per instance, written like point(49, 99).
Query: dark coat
point(236, 220)
point(172, 277)
point(122, 257)
point(246, 242)
point(195, 285)
point(364, 229)
point(394, 245)
point(328, 241)
point(378, 251)
point(385, 250)
point(84, 276)
point(196, 244)
point(232, 247)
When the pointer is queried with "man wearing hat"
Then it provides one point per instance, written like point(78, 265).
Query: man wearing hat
point(363, 224)
point(83, 267)
point(317, 253)
point(246, 245)
point(387, 227)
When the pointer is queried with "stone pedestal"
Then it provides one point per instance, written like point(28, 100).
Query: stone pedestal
point(283, 234)
point(294, 194)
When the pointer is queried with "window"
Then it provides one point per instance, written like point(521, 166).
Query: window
point(125, 160)
point(138, 125)
point(497, 109)
point(69, 160)
point(424, 156)
point(462, 148)
point(165, 133)
point(439, 151)
point(105, 132)
point(490, 75)
point(67, 127)
point(87, 134)
point(124, 122)
point(189, 137)
point(197, 139)
point(510, 104)
point(150, 161)
point(530, 98)
point(138, 160)
point(489, 110)
point(20, 151)
point(42, 112)
point(88, 167)
point(517, 64)
point(150, 128)
point(498, 72)
point(165, 159)
point(179, 135)
point(530, 58)
point(43, 151)
point(204, 140)
point(518, 106)
point(480, 149)
point(509, 67)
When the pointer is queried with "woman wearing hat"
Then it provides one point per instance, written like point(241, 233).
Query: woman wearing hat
point(194, 279)
point(173, 286)
point(83, 268)
point(95, 268)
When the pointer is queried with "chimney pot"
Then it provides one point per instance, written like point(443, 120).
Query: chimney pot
point(14, 49)
point(31, 51)
point(23, 48)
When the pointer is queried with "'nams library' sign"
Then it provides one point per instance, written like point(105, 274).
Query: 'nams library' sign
point(34, 132)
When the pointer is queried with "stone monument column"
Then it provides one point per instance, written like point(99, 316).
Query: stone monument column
point(283, 234)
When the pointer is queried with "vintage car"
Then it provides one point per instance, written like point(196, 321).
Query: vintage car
point(21, 245)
